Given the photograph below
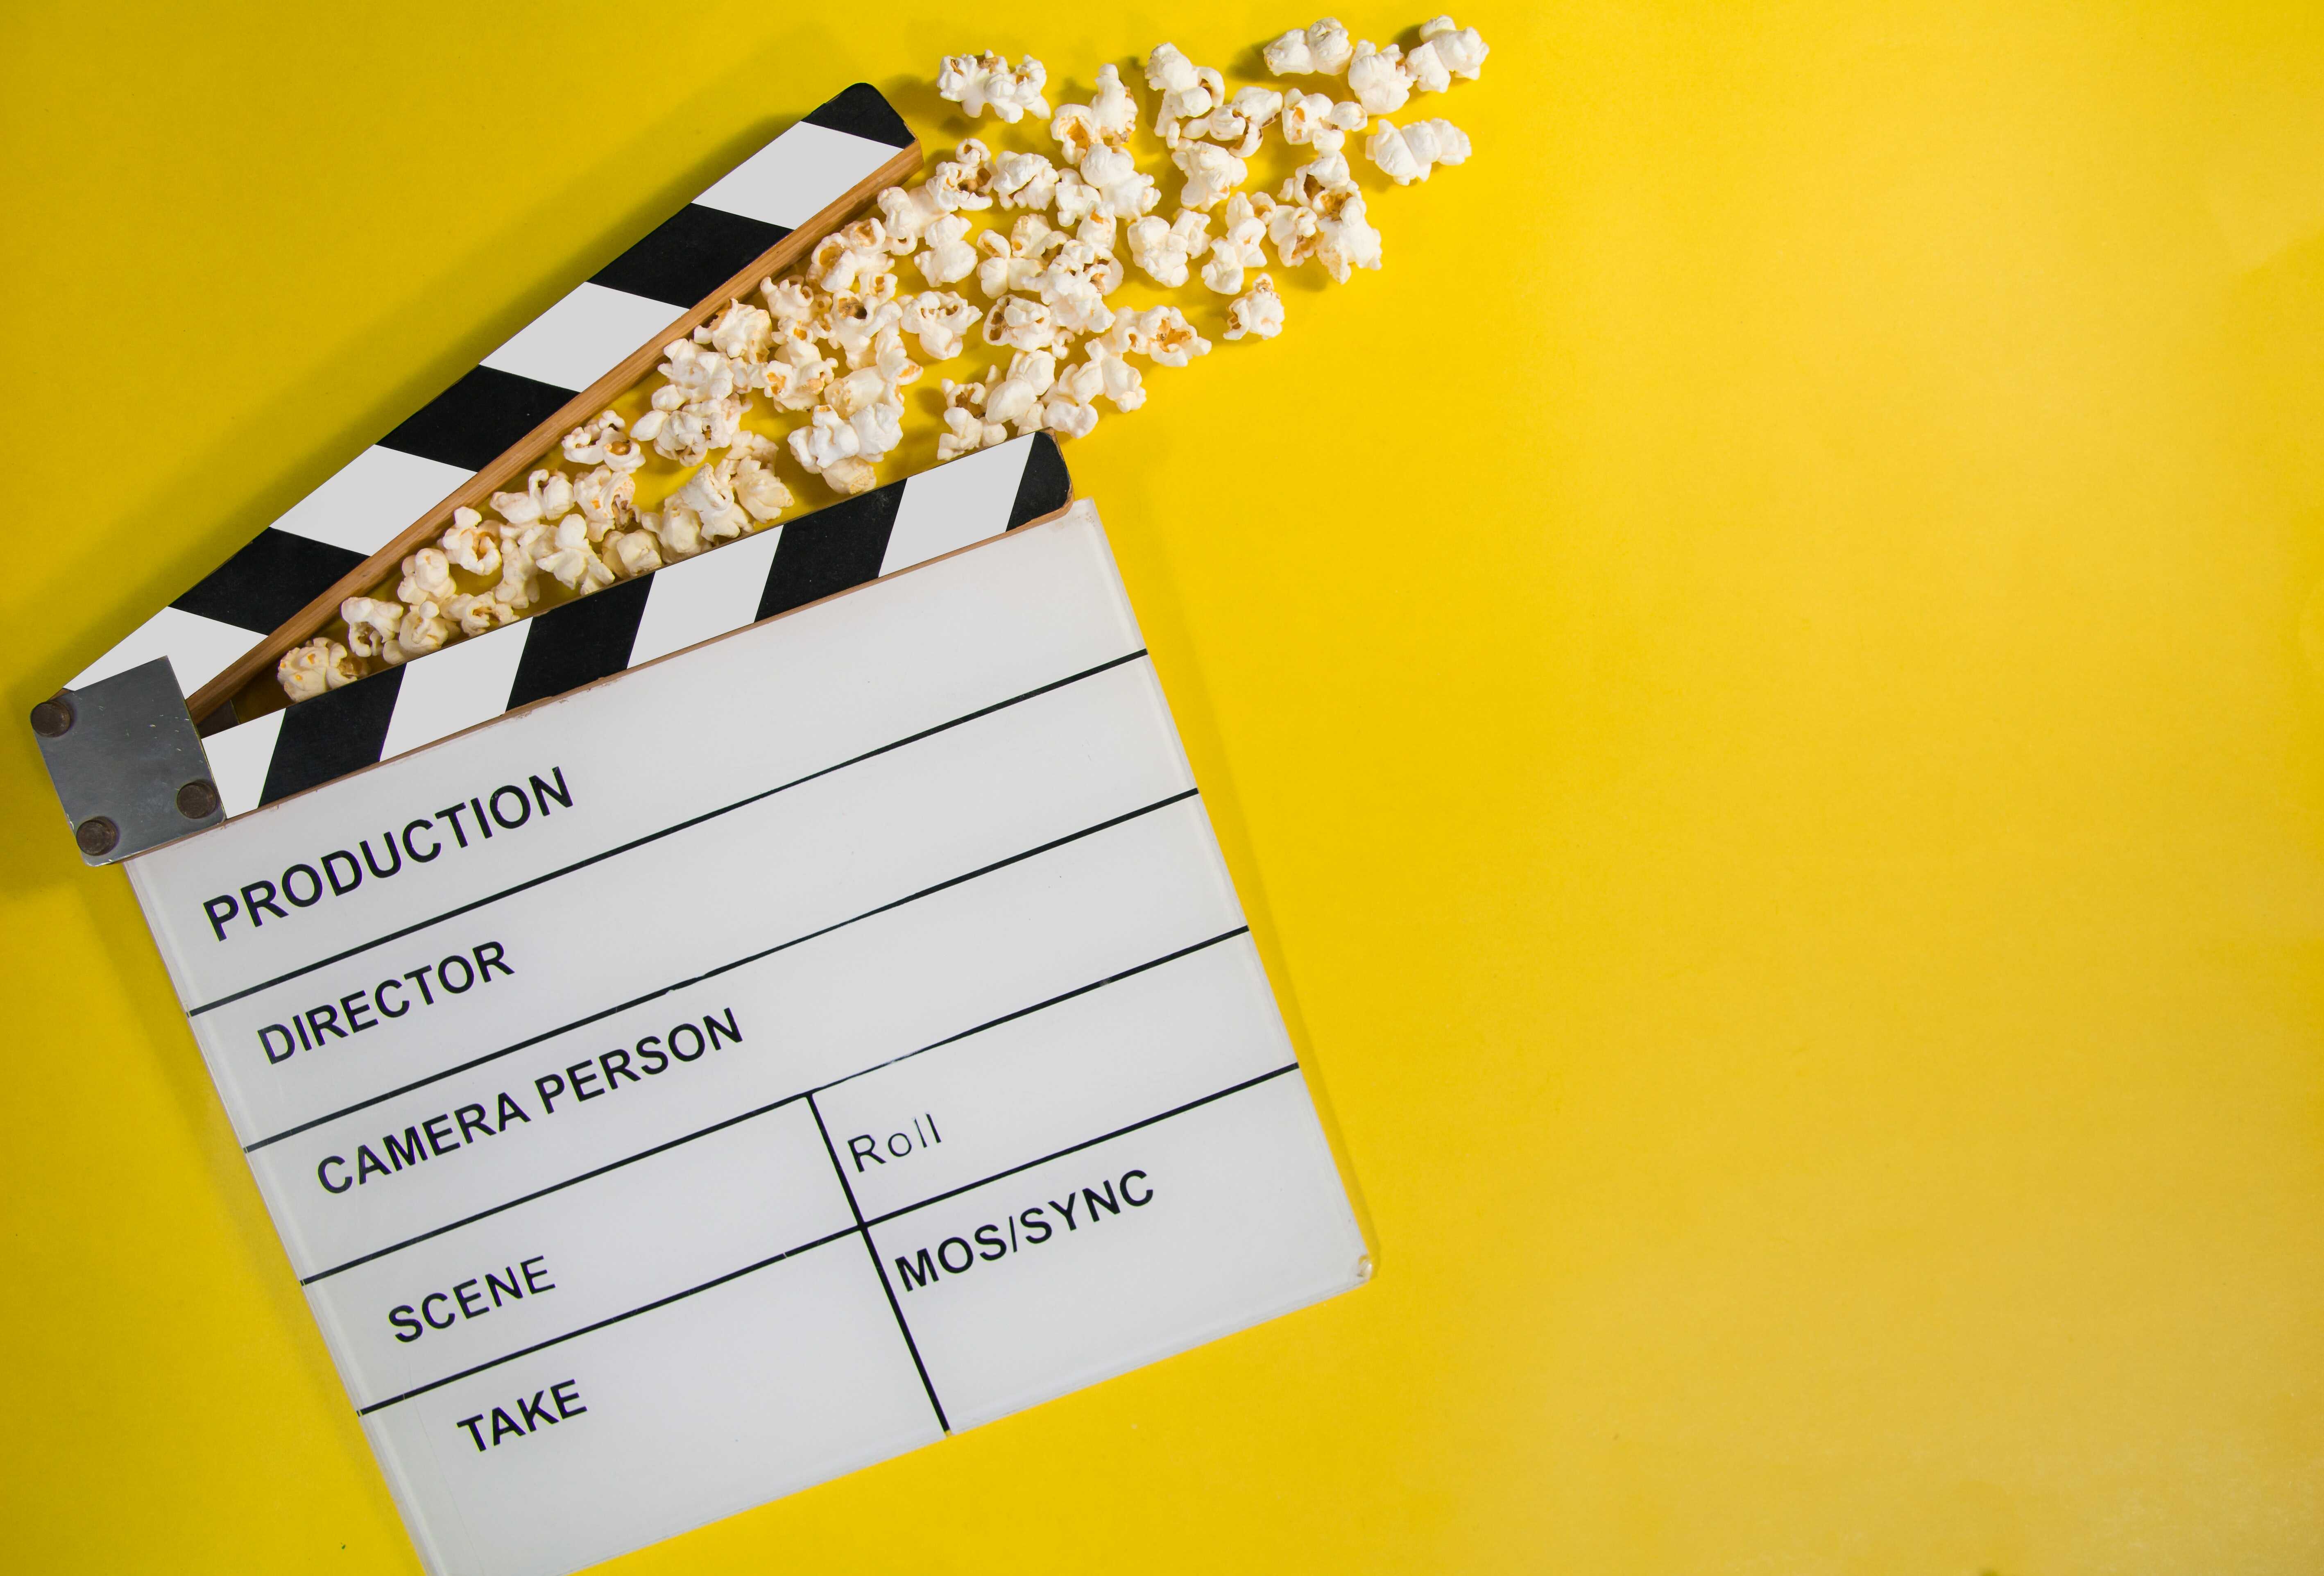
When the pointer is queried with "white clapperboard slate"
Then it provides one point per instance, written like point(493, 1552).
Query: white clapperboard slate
point(760, 1063)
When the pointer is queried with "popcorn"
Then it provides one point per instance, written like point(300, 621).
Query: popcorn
point(1239, 247)
point(1378, 80)
point(632, 553)
point(1160, 334)
point(372, 623)
point(1123, 191)
point(1078, 202)
point(710, 498)
point(906, 214)
point(948, 256)
point(1210, 173)
point(1257, 313)
point(942, 320)
point(1016, 398)
point(605, 499)
point(423, 631)
point(742, 334)
point(321, 664)
point(478, 616)
point(1164, 251)
point(699, 374)
point(1189, 92)
point(792, 303)
point(828, 447)
point(1322, 184)
point(1120, 381)
point(471, 544)
point(1310, 120)
point(687, 433)
point(965, 429)
point(980, 82)
point(1459, 50)
point(1406, 156)
point(1075, 286)
point(748, 472)
point(1067, 410)
point(964, 180)
point(571, 562)
point(796, 377)
point(520, 583)
point(586, 444)
point(857, 325)
point(850, 262)
point(1348, 240)
point(1021, 324)
point(1321, 49)
point(427, 577)
point(547, 495)
point(677, 534)
point(1016, 260)
point(1242, 120)
point(1105, 121)
point(1024, 181)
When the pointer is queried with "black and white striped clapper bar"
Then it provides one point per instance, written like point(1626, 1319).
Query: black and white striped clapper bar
point(625, 305)
point(830, 1032)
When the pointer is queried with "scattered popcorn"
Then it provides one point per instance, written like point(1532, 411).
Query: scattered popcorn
point(1106, 121)
point(1160, 334)
point(1123, 192)
point(1310, 120)
point(1024, 181)
point(980, 82)
point(1164, 251)
point(1189, 92)
point(427, 577)
point(1257, 313)
point(1210, 173)
point(964, 180)
point(1406, 154)
point(1020, 323)
point(471, 544)
point(1459, 50)
point(478, 616)
point(1321, 49)
point(1017, 397)
point(1239, 247)
point(321, 664)
point(632, 553)
point(572, 563)
point(941, 319)
point(1378, 80)
point(833, 339)
point(948, 256)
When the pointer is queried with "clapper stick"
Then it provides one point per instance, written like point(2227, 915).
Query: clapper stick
point(803, 183)
point(513, 462)
point(579, 643)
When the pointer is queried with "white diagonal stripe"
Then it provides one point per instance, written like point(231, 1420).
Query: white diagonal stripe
point(239, 759)
point(582, 337)
point(371, 499)
point(455, 688)
point(199, 649)
point(797, 175)
point(688, 603)
point(955, 504)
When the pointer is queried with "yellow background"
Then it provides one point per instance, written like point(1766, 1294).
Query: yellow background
point(1758, 682)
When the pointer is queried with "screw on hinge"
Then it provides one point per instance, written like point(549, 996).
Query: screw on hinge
point(53, 717)
point(198, 798)
point(97, 835)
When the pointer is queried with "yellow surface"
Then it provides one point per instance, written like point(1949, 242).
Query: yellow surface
point(1755, 680)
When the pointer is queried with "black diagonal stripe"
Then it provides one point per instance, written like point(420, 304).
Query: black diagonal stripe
point(689, 254)
point(331, 736)
point(862, 112)
point(478, 419)
point(1046, 486)
point(831, 550)
point(579, 643)
point(263, 587)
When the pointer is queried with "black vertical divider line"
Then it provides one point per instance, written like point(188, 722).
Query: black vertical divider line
point(878, 1268)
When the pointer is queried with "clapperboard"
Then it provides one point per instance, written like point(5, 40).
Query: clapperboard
point(738, 1026)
